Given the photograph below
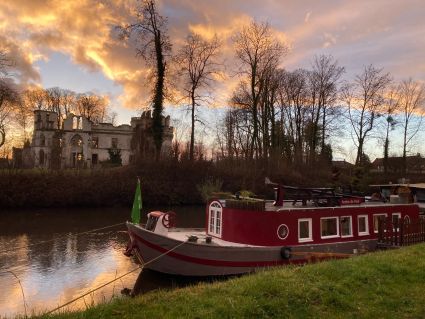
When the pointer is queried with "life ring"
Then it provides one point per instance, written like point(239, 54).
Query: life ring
point(169, 219)
point(286, 252)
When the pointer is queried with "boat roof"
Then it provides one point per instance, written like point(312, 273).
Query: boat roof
point(411, 185)
point(289, 206)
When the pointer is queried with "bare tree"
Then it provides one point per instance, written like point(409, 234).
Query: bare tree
point(9, 97)
point(23, 116)
point(91, 106)
point(324, 81)
point(35, 99)
point(258, 52)
point(294, 100)
point(412, 103)
point(62, 102)
point(197, 65)
point(5, 63)
point(364, 99)
point(151, 32)
point(389, 111)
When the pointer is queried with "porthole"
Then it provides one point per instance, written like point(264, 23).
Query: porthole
point(282, 231)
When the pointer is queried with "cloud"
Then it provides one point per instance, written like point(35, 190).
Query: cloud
point(307, 17)
point(357, 33)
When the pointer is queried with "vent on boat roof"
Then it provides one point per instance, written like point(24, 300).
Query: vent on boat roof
point(257, 205)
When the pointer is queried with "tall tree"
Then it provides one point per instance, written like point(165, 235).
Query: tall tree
point(390, 109)
point(155, 46)
point(412, 104)
point(324, 81)
point(35, 99)
point(9, 97)
point(258, 51)
point(364, 99)
point(197, 64)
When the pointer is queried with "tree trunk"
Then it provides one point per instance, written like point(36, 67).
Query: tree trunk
point(405, 148)
point(2, 137)
point(386, 147)
point(158, 97)
point(192, 133)
point(359, 152)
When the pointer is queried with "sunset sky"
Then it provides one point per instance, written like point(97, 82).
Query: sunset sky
point(73, 44)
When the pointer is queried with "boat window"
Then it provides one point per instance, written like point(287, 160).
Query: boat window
point(406, 219)
point(305, 230)
point(376, 221)
point(282, 231)
point(215, 219)
point(396, 217)
point(346, 226)
point(329, 227)
point(151, 223)
point(363, 225)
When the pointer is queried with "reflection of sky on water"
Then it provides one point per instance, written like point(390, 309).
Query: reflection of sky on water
point(55, 272)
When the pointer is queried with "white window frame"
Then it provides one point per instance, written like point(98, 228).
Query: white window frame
point(395, 214)
point(310, 230)
point(392, 220)
point(373, 221)
point(351, 226)
point(287, 231)
point(364, 233)
point(406, 219)
point(215, 212)
point(337, 227)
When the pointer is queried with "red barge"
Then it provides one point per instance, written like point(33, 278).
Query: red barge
point(241, 235)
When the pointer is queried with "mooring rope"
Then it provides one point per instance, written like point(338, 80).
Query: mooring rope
point(20, 285)
point(58, 238)
point(117, 278)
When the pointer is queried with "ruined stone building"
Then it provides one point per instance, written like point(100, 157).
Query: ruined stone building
point(80, 143)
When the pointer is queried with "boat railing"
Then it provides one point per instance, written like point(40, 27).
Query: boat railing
point(400, 232)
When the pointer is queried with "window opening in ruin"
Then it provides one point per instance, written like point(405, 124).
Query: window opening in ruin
point(95, 142)
point(42, 140)
point(41, 157)
point(114, 142)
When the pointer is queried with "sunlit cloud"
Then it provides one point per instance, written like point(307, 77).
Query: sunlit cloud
point(357, 33)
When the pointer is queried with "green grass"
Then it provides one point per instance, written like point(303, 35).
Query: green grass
point(380, 285)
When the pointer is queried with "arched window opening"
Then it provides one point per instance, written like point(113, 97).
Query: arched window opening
point(42, 140)
point(41, 157)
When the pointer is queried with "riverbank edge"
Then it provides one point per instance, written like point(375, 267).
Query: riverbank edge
point(387, 284)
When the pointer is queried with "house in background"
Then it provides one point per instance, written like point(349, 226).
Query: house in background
point(80, 143)
point(415, 164)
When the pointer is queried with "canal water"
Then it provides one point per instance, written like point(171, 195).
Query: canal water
point(54, 264)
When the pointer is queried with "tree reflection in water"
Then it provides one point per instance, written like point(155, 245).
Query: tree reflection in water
point(69, 264)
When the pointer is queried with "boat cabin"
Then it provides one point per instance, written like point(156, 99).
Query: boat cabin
point(301, 221)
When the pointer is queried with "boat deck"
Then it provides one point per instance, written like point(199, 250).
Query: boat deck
point(182, 234)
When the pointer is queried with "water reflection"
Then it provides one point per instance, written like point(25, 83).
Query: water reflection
point(69, 264)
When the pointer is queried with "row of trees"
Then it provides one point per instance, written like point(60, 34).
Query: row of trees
point(273, 113)
point(291, 115)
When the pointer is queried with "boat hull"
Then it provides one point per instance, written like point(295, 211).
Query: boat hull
point(167, 255)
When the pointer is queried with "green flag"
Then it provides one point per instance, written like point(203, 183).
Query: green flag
point(137, 205)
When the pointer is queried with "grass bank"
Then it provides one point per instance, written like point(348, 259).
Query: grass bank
point(380, 285)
